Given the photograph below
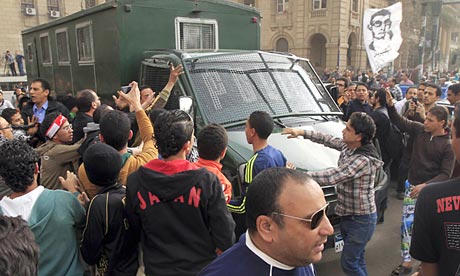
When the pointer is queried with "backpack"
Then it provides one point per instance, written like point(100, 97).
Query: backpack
point(396, 141)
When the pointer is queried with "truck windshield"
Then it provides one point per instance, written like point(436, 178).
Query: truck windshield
point(230, 86)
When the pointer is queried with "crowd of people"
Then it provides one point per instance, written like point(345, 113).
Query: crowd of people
point(130, 189)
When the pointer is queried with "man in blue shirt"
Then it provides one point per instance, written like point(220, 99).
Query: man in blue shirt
point(287, 228)
point(259, 126)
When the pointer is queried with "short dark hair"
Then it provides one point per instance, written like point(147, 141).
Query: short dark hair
point(44, 83)
point(456, 124)
point(441, 113)
point(8, 114)
point(437, 87)
point(153, 115)
point(85, 99)
point(19, 251)
point(69, 101)
point(47, 122)
point(18, 169)
point(212, 141)
point(263, 194)
point(345, 80)
point(172, 130)
point(455, 88)
point(358, 83)
point(364, 125)
point(382, 95)
point(100, 112)
point(262, 122)
point(115, 127)
point(22, 100)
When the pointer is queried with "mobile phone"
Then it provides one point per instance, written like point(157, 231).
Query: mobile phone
point(414, 99)
point(125, 89)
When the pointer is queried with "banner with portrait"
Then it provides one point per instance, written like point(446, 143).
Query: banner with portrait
point(382, 35)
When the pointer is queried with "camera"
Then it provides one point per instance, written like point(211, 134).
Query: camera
point(125, 89)
point(415, 100)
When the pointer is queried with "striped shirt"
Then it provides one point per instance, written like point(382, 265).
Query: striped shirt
point(354, 177)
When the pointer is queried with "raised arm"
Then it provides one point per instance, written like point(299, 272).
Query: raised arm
point(315, 136)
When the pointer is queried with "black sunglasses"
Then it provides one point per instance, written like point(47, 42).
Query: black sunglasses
point(314, 220)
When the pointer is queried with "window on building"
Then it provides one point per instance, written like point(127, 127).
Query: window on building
point(30, 53)
point(90, 3)
point(53, 5)
point(84, 42)
point(45, 48)
point(62, 46)
point(193, 34)
point(281, 5)
point(282, 45)
point(354, 5)
point(27, 4)
point(454, 37)
point(249, 2)
point(319, 4)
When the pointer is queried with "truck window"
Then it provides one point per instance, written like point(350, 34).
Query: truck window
point(45, 48)
point(84, 42)
point(62, 46)
point(196, 34)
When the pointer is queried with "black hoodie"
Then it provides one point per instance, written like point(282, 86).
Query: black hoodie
point(181, 214)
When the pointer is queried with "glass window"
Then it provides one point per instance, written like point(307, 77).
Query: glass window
point(45, 48)
point(319, 4)
point(62, 46)
point(354, 5)
point(85, 42)
point(282, 6)
point(30, 53)
point(193, 34)
point(90, 3)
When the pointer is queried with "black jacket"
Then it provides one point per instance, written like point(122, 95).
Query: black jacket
point(357, 106)
point(53, 106)
point(107, 240)
point(181, 214)
point(80, 121)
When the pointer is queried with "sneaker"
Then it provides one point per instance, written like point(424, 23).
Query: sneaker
point(401, 271)
point(400, 195)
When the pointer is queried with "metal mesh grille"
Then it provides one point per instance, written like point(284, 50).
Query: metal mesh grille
point(197, 36)
point(229, 87)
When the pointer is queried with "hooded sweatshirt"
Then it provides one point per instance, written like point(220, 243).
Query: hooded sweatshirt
point(183, 216)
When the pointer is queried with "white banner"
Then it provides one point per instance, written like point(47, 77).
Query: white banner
point(382, 35)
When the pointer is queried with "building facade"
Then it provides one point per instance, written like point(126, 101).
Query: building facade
point(23, 14)
point(329, 32)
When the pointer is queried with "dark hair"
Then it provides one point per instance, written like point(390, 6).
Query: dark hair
point(18, 169)
point(441, 113)
point(263, 194)
point(100, 112)
point(47, 122)
point(382, 12)
point(148, 87)
point(455, 88)
point(69, 102)
point(212, 141)
point(345, 80)
point(23, 100)
point(423, 84)
point(19, 251)
point(8, 114)
point(358, 83)
point(262, 122)
point(437, 87)
point(115, 127)
point(456, 124)
point(364, 125)
point(153, 115)
point(382, 95)
point(44, 83)
point(172, 130)
point(85, 99)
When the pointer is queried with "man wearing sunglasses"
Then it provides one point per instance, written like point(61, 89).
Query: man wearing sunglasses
point(354, 177)
point(287, 228)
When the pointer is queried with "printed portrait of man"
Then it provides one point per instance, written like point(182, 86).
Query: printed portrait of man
point(380, 26)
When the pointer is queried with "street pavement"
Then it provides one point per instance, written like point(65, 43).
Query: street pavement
point(382, 252)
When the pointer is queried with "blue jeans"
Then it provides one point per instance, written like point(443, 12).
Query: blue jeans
point(356, 232)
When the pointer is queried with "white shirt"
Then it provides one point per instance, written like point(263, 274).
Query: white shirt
point(399, 105)
point(22, 205)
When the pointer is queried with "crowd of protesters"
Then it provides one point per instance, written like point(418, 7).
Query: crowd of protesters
point(130, 189)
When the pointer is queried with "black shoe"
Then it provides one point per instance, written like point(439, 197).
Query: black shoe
point(400, 195)
point(401, 271)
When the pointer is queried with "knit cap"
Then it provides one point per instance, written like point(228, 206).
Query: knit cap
point(102, 164)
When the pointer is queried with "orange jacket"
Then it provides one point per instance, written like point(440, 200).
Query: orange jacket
point(216, 168)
